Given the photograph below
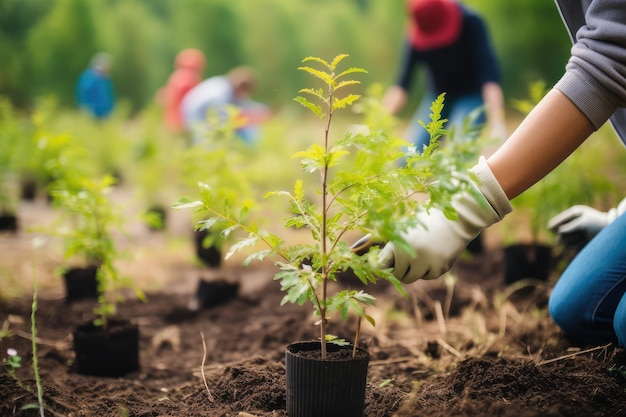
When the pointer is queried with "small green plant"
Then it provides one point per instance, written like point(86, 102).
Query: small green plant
point(86, 228)
point(219, 161)
point(13, 361)
point(361, 188)
point(88, 217)
point(33, 333)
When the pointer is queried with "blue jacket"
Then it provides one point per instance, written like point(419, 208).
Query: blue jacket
point(94, 93)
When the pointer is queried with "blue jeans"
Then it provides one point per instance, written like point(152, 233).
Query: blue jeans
point(456, 110)
point(588, 302)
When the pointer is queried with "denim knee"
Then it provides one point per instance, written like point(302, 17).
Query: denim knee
point(570, 310)
point(561, 312)
point(619, 322)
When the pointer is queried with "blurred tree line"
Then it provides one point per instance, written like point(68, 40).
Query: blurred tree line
point(45, 44)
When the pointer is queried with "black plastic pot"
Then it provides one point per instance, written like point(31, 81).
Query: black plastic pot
point(213, 293)
point(81, 283)
point(210, 255)
point(28, 189)
point(527, 261)
point(334, 387)
point(8, 223)
point(110, 352)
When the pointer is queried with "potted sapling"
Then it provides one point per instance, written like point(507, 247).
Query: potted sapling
point(360, 188)
point(61, 159)
point(106, 345)
point(220, 161)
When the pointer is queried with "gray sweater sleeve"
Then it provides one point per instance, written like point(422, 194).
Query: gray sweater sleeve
point(595, 76)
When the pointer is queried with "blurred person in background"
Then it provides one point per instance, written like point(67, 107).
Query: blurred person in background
point(588, 301)
point(188, 67)
point(94, 89)
point(452, 44)
point(219, 98)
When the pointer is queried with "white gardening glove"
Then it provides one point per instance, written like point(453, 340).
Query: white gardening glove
point(584, 219)
point(440, 243)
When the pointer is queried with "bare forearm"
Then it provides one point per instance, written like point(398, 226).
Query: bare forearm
point(494, 103)
point(546, 137)
point(395, 98)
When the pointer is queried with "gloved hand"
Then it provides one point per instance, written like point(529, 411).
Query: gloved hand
point(584, 219)
point(442, 241)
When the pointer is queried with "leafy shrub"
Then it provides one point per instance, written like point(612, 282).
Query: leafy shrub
point(361, 188)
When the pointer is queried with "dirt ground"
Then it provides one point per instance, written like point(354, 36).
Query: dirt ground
point(465, 346)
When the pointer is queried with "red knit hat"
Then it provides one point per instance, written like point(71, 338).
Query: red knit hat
point(434, 23)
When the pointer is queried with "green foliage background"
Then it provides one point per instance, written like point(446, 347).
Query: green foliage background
point(45, 44)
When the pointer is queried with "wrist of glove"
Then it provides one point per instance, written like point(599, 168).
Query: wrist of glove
point(440, 242)
point(584, 219)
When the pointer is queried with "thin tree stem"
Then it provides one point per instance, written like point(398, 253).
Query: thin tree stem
point(356, 337)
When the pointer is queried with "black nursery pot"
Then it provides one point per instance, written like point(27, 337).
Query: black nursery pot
point(8, 222)
point(81, 283)
point(211, 256)
point(527, 261)
point(214, 293)
point(331, 388)
point(110, 352)
point(28, 189)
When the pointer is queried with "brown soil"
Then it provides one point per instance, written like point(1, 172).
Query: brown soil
point(485, 350)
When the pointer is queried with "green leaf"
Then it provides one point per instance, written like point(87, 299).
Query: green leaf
point(397, 284)
point(335, 61)
point(313, 107)
point(206, 224)
point(351, 71)
point(325, 77)
point(364, 298)
point(346, 83)
point(189, 204)
point(298, 191)
point(313, 158)
point(258, 256)
point(450, 213)
point(243, 243)
point(333, 157)
point(317, 59)
point(346, 101)
point(335, 340)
